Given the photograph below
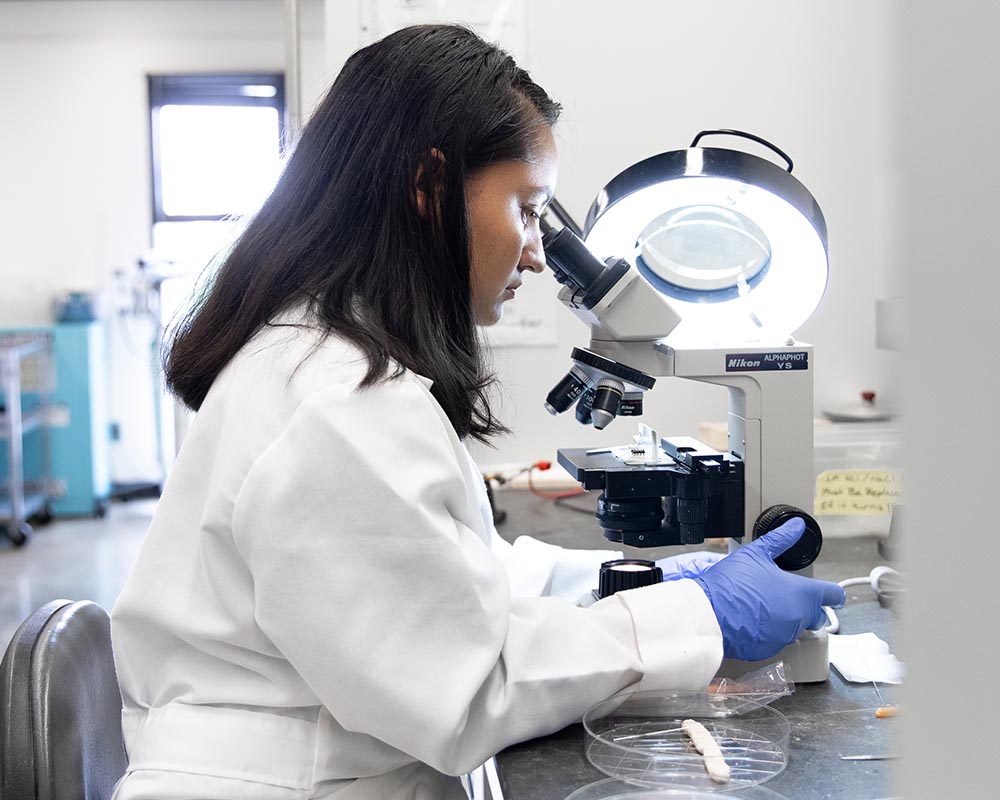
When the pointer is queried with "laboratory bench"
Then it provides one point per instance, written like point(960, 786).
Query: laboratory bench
point(827, 719)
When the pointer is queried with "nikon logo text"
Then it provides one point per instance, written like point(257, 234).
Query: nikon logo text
point(759, 362)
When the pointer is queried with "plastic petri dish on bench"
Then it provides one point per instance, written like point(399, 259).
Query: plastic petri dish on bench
point(637, 738)
point(614, 789)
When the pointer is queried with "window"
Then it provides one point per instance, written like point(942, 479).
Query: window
point(216, 142)
point(216, 153)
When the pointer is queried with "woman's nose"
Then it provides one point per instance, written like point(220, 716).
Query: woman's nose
point(533, 257)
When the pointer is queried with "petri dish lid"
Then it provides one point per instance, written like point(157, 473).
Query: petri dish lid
point(636, 737)
point(614, 789)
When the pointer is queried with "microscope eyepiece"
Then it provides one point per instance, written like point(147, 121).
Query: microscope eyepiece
point(568, 257)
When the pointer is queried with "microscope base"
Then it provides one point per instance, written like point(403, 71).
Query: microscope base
point(807, 660)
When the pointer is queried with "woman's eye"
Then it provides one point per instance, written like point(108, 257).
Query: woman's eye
point(530, 215)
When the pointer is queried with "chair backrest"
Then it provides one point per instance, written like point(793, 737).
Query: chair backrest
point(60, 707)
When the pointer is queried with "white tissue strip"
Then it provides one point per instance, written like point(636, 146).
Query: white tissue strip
point(718, 769)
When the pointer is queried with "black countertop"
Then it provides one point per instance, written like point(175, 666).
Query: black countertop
point(827, 719)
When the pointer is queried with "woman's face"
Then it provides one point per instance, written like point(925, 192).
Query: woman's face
point(505, 202)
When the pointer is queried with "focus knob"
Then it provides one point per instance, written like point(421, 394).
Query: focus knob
point(801, 554)
point(627, 573)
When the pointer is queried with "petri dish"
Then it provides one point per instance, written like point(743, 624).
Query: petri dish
point(636, 737)
point(614, 789)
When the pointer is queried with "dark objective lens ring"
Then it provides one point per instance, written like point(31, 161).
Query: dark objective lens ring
point(607, 398)
point(566, 392)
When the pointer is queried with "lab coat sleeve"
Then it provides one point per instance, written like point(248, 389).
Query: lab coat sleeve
point(539, 569)
point(398, 615)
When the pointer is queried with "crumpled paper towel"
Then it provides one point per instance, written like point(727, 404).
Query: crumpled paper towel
point(863, 657)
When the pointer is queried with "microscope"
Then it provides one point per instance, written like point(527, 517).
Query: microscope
point(716, 257)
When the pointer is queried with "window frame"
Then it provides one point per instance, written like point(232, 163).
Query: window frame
point(214, 89)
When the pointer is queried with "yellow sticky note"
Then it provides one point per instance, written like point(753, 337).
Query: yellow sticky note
point(857, 491)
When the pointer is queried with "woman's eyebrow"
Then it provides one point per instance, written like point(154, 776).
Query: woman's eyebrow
point(543, 193)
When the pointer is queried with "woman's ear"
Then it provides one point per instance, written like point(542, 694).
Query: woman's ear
point(427, 183)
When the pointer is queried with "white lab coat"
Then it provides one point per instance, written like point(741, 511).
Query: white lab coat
point(317, 610)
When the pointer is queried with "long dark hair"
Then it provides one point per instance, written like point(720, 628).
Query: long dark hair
point(342, 231)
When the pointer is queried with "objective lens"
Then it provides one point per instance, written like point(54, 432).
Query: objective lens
point(607, 399)
point(583, 406)
point(566, 391)
point(631, 405)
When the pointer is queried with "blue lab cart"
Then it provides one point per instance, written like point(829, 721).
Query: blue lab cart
point(81, 449)
point(78, 429)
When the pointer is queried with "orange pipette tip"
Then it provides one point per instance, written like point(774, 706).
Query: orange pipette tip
point(886, 711)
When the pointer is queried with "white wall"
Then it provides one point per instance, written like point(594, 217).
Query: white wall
point(74, 143)
point(638, 77)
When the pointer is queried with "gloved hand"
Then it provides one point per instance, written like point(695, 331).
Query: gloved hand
point(688, 565)
point(760, 607)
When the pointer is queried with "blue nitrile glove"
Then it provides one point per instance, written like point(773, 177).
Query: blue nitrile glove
point(760, 607)
point(688, 565)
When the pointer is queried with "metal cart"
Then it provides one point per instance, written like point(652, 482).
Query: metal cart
point(31, 357)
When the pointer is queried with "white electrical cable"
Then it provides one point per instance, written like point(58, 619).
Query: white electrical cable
point(872, 579)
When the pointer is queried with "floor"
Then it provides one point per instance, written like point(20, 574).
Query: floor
point(75, 559)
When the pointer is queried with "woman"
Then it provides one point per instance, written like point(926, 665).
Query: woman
point(317, 609)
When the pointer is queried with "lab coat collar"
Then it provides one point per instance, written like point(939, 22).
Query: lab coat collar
point(427, 382)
